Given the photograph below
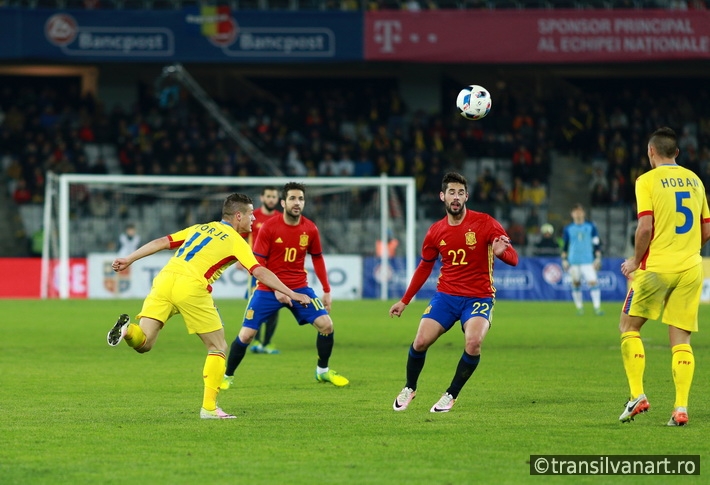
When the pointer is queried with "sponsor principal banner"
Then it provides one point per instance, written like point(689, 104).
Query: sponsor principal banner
point(194, 34)
point(532, 279)
point(537, 36)
point(344, 275)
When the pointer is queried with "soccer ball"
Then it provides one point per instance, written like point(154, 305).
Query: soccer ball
point(473, 102)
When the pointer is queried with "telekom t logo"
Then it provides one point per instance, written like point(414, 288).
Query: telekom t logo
point(388, 33)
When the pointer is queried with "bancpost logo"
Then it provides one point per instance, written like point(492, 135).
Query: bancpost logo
point(222, 30)
point(64, 31)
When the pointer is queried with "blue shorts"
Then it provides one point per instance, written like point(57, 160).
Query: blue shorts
point(263, 304)
point(448, 309)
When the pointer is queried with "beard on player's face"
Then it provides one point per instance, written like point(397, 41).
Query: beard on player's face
point(457, 209)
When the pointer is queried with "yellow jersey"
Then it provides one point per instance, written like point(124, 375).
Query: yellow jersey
point(675, 197)
point(204, 251)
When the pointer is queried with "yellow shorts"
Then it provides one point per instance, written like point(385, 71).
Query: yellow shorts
point(174, 293)
point(674, 296)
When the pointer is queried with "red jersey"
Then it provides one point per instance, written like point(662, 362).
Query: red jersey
point(283, 248)
point(466, 256)
point(260, 219)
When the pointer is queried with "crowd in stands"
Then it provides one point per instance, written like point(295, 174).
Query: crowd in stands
point(361, 130)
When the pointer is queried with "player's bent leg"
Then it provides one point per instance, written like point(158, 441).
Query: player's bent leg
point(633, 356)
point(428, 332)
point(142, 337)
point(212, 373)
point(324, 347)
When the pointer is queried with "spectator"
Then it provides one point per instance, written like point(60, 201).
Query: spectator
point(364, 166)
point(522, 162)
point(328, 167)
point(346, 166)
point(535, 195)
point(22, 194)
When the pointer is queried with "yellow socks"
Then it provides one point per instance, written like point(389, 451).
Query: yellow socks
point(212, 374)
point(634, 358)
point(683, 366)
point(135, 338)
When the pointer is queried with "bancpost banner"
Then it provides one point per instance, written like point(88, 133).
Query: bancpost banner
point(194, 34)
point(344, 275)
point(531, 279)
point(537, 36)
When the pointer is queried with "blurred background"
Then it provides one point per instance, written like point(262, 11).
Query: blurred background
point(326, 88)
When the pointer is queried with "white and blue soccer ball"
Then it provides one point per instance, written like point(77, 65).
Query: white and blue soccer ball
point(473, 102)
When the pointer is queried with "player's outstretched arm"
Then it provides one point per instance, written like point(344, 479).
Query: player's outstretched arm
point(147, 249)
point(267, 277)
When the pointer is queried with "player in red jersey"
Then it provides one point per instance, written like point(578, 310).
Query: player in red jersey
point(282, 246)
point(269, 201)
point(466, 241)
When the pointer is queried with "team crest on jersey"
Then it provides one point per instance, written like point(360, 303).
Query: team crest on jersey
point(303, 240)
point(249, 314)
point(427, 310)
point(470, 238)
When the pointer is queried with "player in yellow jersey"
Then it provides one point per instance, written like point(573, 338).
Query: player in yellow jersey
point(665, 271)
point(183, 286)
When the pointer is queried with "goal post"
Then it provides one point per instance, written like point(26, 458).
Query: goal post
point(84, 213)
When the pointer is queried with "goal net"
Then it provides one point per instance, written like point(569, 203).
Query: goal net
point(86, 214)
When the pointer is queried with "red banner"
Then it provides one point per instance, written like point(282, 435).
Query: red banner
point(537, 36)
point(23, 278)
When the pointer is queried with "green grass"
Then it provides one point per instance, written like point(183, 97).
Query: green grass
point(73, 410)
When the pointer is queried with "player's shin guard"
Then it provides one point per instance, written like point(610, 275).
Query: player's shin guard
point(415, 364)
point(212, 375)
point(683, 366)
point(324, 346)
point(467, 365)
point(634, 357)
point(135, 338)
point(236, 354)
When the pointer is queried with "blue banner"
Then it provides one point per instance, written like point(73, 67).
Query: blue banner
point(532, 279)
point(194, 34)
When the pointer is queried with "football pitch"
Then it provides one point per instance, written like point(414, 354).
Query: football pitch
point(74, 410)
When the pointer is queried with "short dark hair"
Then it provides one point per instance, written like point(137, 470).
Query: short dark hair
point(235, 203)
point(292, 186)
point(269, 188)
point(453, 178)
point(665, 141)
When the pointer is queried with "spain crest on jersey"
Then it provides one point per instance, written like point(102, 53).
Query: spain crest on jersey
point(249, 314)
point(470, 238)
point(303, 240)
